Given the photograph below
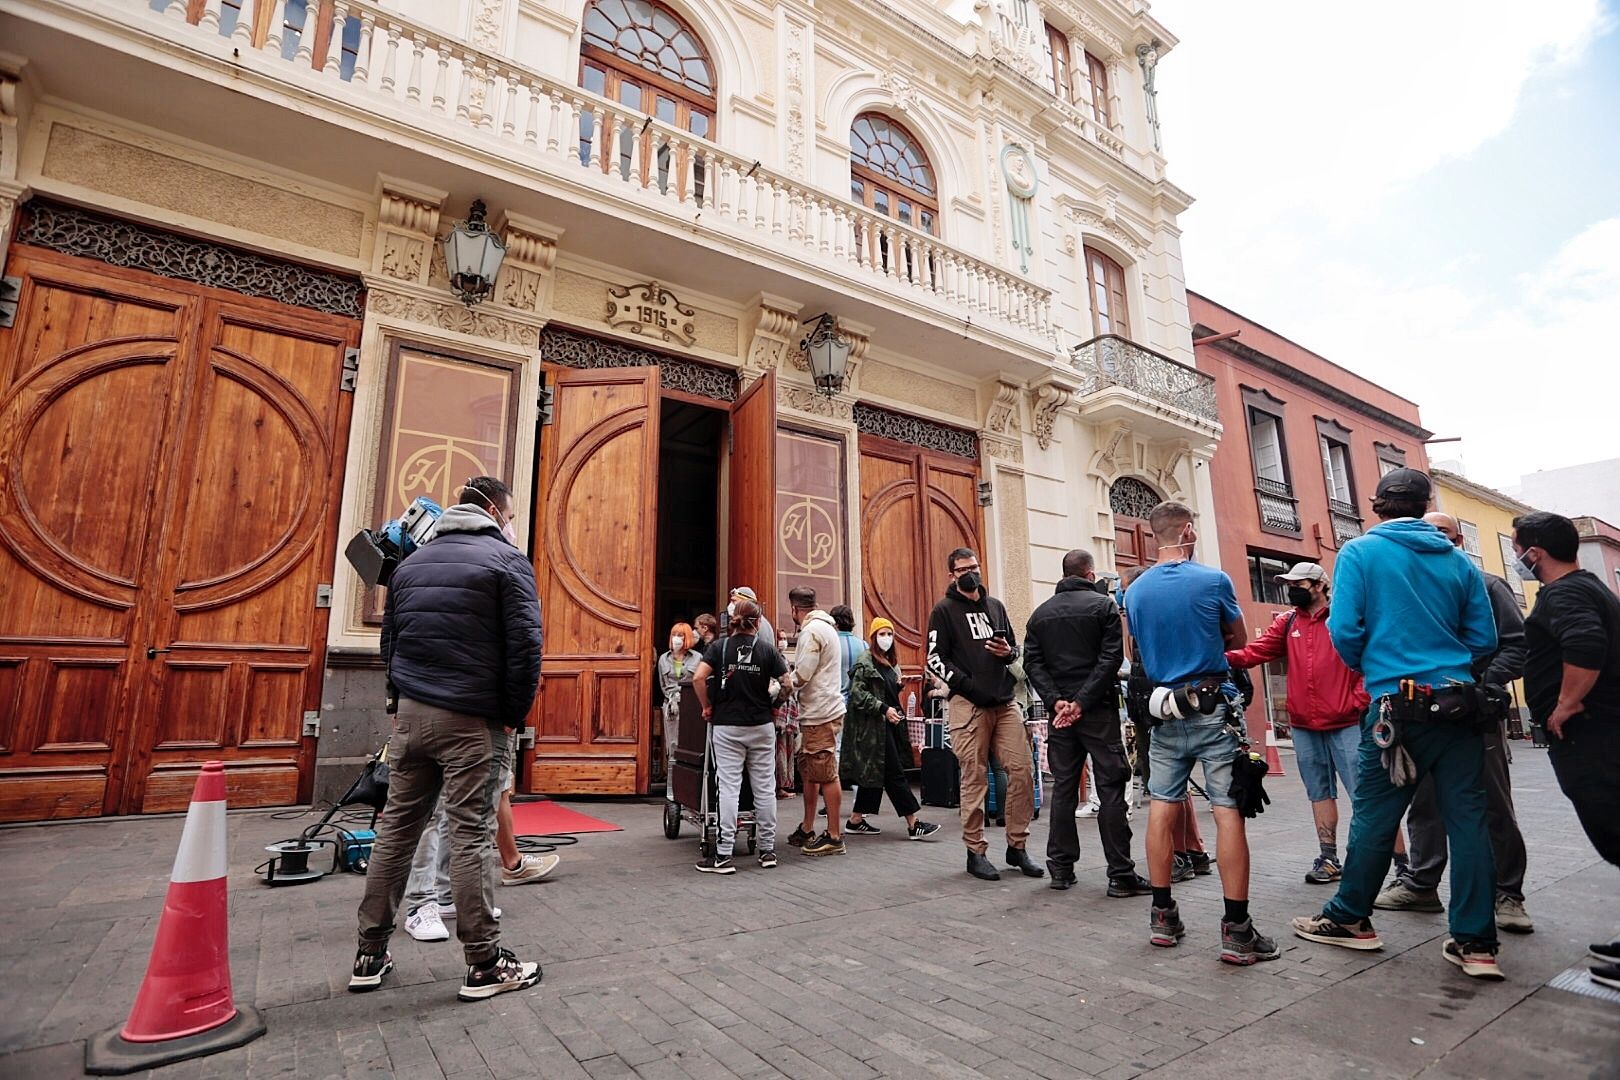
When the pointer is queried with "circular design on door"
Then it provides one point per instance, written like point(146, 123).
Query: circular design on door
point(1130, 497)
point(81, 437)
point(572, 475)
point(279, 534)
point(808, 535)
point(890, 497)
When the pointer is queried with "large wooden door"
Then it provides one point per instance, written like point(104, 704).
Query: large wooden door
point(751, 552)
point(595, 526)
point(171, 465)
point(916, 506)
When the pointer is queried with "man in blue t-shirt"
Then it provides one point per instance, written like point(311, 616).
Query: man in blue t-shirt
point(1184, 617)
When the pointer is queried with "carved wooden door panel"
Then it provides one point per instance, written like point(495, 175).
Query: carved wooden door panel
point(751, 553)
point(251, 535)
point(165, 508)
point(916, 506)
point(595, 521)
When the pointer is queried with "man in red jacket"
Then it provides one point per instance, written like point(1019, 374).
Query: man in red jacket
point(1326, 701)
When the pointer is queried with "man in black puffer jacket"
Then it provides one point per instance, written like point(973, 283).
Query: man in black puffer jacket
point(1073, 648)
point(461, 642)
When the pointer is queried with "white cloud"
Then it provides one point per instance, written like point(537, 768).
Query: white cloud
point(1293, 124)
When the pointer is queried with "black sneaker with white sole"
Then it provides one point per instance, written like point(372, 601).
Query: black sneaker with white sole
point(800, 836)
point(923, 830)
point(1605, 952)
point(861, 828)
point(506, 974)
point(369, 969)
point(717, 864)
point(767, 860)
point(1606, 975)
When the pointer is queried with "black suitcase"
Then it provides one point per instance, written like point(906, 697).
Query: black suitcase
point(941, 778)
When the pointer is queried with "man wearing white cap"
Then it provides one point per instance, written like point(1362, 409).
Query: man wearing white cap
point(1326, 701)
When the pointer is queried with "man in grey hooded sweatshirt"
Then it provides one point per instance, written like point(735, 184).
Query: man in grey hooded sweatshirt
point(461, 643)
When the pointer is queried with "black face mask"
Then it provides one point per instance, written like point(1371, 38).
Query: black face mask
point(1300, 598)
point(968, 582)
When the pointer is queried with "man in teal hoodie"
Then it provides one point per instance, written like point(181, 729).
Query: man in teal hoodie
point(1409, 605)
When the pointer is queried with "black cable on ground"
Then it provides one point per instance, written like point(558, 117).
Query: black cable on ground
point(542, 843)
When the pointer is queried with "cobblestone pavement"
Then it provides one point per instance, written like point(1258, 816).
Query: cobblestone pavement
point(889, 961)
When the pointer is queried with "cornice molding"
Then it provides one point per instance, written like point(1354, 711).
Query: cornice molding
point(1288, 373)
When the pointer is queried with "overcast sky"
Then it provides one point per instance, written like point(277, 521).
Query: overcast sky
point(1427, 193)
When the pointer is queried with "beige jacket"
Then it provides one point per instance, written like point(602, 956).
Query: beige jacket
point(817, 670)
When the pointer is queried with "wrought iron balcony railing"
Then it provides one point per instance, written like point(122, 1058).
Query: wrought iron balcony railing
point(400, 69)
point(1279, 510)
point(1111, 360)
point(1346, 522)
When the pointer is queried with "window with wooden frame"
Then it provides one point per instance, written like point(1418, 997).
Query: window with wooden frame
point(1334, 440)
point(1097, 75)
point(1274, 491)
point(645, 57)
point(1390, 458)
point(1470, 542)
point(1058, 56)
point(1105, 281)
point(889, 174)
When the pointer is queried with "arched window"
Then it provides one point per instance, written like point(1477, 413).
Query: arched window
point(1105, 279)
point(644, 56)
point(890, 173)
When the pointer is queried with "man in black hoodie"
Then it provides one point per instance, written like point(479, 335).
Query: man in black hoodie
point(1073, 647)
point(970, 645)
point(461, 642)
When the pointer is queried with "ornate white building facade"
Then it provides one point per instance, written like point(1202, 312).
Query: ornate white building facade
point(232, 330)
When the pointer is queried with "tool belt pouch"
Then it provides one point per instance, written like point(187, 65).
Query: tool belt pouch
point(1470, 705)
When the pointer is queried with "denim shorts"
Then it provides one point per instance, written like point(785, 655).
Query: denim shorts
point(1177, 744)
point(1321, 754)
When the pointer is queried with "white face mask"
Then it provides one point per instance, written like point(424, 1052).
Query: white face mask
point(885, 642)
point(1524, 568)
point(731, 609)
point(676, 644)
point(509, 532)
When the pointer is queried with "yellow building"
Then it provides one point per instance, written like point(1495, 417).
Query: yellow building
point(1486, 516)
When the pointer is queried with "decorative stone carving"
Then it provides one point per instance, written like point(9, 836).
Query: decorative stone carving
point(1008, 450)
point(898, 85)
point(651, 310)
point(10, 90)
point(1047, 400)
point(487, 23)
point(457, 318)
point(407, 227)
point(775, 336)
point(1148, 57)
point(1003, 415)
point(123, 243)
point(797, 130)
point(1018, 169)
point(805, 400)
point(1106, 223)
point(1088, 25)
point(531, 253)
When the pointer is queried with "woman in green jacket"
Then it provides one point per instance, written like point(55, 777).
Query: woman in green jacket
point(871, 757)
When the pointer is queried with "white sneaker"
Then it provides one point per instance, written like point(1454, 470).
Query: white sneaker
point(1088, 810)
point(530, 868)
point(448, 911)
point(426, 924)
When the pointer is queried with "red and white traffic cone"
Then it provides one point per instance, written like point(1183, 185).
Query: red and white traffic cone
point(1273, 759)
point(184, 1008)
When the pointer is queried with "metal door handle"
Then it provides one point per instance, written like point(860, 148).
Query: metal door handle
point(152, 651)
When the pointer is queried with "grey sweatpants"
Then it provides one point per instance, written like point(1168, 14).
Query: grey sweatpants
point(753, 748)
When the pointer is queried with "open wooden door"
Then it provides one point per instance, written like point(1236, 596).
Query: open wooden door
point(595, 521)
point(751, 553)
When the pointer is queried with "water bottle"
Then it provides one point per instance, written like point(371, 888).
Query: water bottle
point(911, 705)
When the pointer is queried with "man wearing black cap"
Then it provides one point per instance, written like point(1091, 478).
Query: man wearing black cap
point(1411, 614)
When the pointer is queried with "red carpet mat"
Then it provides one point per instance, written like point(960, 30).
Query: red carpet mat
point(546, 818)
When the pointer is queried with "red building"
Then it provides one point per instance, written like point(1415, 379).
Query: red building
point(1304, 444)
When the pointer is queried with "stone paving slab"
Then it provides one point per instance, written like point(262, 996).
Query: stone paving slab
point(887, 962)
